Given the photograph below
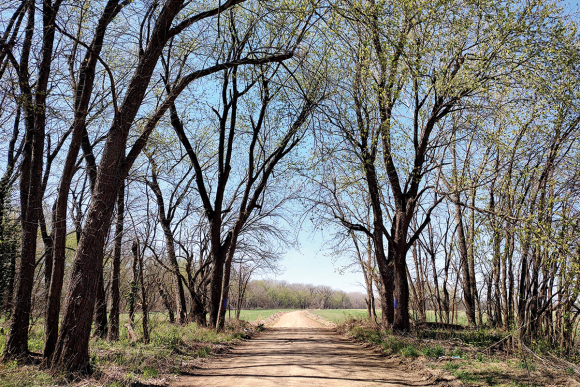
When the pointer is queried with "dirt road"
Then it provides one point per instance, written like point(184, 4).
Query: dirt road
point(298, 351)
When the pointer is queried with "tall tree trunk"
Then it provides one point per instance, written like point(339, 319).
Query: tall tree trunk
point(420, 281)
point(227, 271)
point(72, 351)
point(224, 302)
point(386, 272)
point(83, 91)
point(178, 291)
point(134, 285)
point(465, 266)
point(217, 274)
point(11, 251)
point(401, 319)
point(468, 298)
point(446, 298)
point(471, 255)
point(370, 301)
point(506, 299)
point(7, 246)
point(101, 306)
point(144, 306)
point(116, 272)
point(495, 280)
point(166, 304)
point(30, 178)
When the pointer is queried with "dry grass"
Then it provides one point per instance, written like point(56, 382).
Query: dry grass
point(172, 350)
point(463, 357)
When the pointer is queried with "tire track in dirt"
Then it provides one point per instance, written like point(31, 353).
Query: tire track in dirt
point(298, 351)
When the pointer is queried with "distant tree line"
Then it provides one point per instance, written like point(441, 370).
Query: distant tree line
point(270, 294)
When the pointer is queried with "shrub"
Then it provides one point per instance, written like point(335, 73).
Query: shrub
point(203, 352)
point(409, 351)
point(436, 351)
point(393, 345)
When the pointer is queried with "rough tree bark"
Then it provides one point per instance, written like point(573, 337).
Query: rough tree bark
point(83, 92)
point(8, 245)
point(31, 171)
point(116, 272)
point(101, 312)
point(144, 305)
point(134, 285)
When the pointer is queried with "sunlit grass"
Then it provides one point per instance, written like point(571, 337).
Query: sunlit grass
point(171, 350)
point(258, 314)
point(341, 315)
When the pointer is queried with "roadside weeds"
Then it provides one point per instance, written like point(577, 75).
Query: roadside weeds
point(461, 359)
point(173, 351)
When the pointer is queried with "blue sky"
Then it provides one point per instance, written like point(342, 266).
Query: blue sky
point(311, 264)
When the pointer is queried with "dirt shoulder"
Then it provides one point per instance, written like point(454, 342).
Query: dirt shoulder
point(298, 351)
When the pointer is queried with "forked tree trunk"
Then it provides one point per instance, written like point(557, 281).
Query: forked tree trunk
point(165, 219)
point(72, 350)
point(82, 98)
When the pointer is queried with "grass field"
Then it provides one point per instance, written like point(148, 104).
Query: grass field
point(259, 314)
point(340, 315)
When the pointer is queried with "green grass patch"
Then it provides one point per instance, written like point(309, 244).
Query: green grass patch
point(393, 345)
point(451, 366)
point(469, 364)
point(367, 334)
point(14, 375)
point(150, 372)
point(410, 351)
point(434, 352)
point(464, 376)
point(341, 315)
point(259, 314)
